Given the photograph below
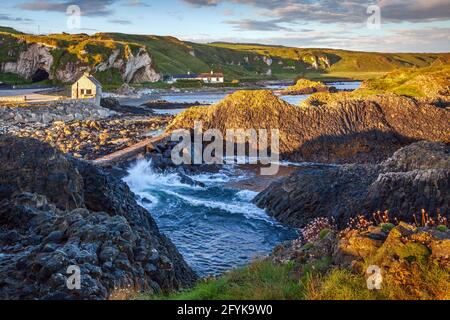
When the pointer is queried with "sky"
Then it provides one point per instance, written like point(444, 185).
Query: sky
point(365, 25)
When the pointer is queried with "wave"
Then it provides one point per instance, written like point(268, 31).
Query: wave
point(249, 210)
point(246, 195)
point(142, 176)
point(148, 185)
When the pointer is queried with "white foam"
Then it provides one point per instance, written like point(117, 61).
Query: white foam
point(249, 210)
point(141, 177)
point(211, 178)
point(246, 195)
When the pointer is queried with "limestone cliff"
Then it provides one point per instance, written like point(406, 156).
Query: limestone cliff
point(35, 57)
point(40, 61)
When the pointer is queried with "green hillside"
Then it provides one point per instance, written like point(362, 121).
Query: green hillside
point(245, 62)
point(342, 63)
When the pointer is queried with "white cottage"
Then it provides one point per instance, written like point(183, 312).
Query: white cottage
point(211, 77)
point(87, 87)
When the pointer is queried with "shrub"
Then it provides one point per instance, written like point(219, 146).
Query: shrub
point(387, 227)
point(312, 231)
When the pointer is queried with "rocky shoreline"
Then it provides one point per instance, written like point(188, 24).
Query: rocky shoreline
point(14, 116)
point(415, 178)
point(56, 211)
point(82, 130)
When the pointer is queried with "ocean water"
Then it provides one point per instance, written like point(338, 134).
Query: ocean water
point(214, 97)
point(214, 227)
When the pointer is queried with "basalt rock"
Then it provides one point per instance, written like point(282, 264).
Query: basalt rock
point(56, 212)
point(304, 86)
point(404, 184)
point(347, 130)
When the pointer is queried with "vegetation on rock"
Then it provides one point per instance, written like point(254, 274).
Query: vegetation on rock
point(348, 129)
point(303, 86)
point(413, 262)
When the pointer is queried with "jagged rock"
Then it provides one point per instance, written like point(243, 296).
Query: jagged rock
point(139, 68)
point(36, 57)
point(398, 255)
point(343, 131)
point(36, 62)
point(345, 191)
point(304, 86)
point(51, 112)
point(56, 212)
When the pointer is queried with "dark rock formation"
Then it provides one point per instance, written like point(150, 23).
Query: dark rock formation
point(114, 105)
point(164, 105)
point(56, 212)
point(416, 177)
point(347, 130)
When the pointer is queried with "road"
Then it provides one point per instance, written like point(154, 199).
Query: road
point(32, 95)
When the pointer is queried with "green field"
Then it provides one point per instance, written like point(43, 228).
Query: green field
point(243, 62)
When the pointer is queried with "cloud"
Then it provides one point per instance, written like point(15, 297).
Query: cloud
point(88, 7)
point(137, 3)
point(7, 17)
point(120, 21)
point(201, 3)
point(415, 10)
point(256, 25)
point(401, 40)
point(344, 11)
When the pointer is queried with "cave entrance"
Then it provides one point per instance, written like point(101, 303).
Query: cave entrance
point(40, 75)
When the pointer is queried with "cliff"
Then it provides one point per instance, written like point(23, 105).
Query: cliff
point(65, 58)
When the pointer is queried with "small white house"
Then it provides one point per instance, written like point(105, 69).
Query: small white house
point(212, 77)
point(87, 87)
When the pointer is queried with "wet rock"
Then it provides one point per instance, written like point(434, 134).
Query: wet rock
point(344, 191)
point(61, 212)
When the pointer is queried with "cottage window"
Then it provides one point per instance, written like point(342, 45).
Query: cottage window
point(88, 91)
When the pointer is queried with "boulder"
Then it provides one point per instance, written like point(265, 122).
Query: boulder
point(303, 86)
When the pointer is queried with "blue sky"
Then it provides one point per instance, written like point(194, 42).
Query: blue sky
point(406, 25)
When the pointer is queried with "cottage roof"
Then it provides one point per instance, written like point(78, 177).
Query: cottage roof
point(91, 79)
point(211, 75)
point(185, 76)
point(95, 81)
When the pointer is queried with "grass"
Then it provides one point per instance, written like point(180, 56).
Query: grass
point(412, 82)
point(261, 280)
point(13, 79)
point(264, 280)
point(339, 284)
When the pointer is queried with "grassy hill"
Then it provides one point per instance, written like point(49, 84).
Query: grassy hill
point(342, 63)
point(245, 62)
